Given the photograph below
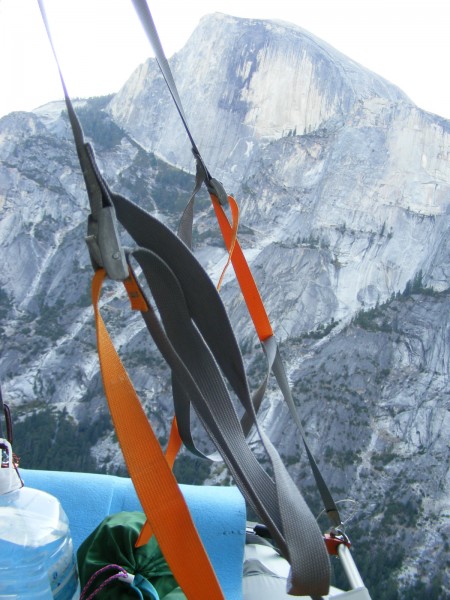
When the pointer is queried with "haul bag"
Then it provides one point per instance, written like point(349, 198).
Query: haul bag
point(113, 542)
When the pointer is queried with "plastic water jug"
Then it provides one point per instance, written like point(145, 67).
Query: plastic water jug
point(37, 560)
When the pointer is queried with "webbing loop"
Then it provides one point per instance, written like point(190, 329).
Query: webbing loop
point(196, 338)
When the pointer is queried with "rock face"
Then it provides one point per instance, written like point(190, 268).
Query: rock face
point(344, 188)
point(319, 152)
point(243, 83)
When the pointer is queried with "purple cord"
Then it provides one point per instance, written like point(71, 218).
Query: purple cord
point(121, 573)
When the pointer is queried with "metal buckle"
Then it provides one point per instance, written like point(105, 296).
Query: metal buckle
point(104, 244)
point(213, 185)
point(102, 238)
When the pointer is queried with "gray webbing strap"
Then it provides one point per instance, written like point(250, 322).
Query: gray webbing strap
point(89, 171)
point(102, 237)
point(185, 225)
point(151, 32)
point(148, 25)
point(276, 365)
point(225, 349)
point(181, 401)
point(200, 334)
point(278, 501)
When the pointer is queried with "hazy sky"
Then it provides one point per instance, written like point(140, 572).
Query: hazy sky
point(100, 42)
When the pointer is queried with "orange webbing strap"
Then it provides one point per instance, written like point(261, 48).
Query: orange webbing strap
point(234, 208)
point(244, 275)
point(154, 482)
point(173, 447)
point(174, 444)
point(138, 302)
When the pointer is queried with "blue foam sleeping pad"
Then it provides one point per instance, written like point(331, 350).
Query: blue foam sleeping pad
point(218, 512)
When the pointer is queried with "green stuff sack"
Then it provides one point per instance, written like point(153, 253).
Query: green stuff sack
point(113, 543)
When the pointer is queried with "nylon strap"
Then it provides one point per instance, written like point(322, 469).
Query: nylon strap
point(173, 447)
point(185, 225)
point(181, 401)
point(278, 369)
point(103, 240)
point(263, 328)
point(245, 278)
point(151, 32)
point(139, 302)
point(279, 502)
point(148, 25)
point(234, 208)
point(197, 338)
point(155, 485)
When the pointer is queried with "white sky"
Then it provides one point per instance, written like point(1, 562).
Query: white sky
point(100, 42)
